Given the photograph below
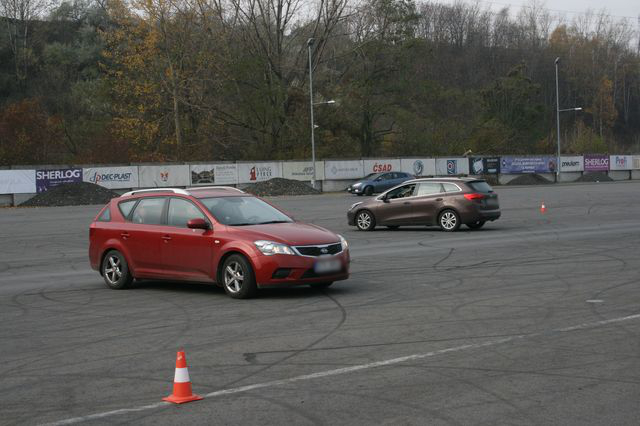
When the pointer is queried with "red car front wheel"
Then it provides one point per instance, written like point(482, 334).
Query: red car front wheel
point(238, 278)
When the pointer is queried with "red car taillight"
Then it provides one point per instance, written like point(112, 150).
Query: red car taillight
point(474, 196)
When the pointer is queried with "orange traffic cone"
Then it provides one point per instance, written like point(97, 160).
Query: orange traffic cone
point(543, 208)
point(181, 383)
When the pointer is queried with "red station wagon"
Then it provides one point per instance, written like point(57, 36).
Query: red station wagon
point(216, 235)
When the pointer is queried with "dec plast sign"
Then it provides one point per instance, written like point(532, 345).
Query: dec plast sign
point(112, 177)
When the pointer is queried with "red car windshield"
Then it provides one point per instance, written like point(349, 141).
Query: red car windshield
point(242, 211)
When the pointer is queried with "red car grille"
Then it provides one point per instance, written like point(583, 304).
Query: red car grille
point(319, 250)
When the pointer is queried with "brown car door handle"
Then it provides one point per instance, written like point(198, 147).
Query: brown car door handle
point(438, 199)
point(125, 235)
point(407, 202)
point(166, 238)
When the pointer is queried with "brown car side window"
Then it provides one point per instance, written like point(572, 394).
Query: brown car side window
point(450, 187)
point(402, 192)
point(429, 188)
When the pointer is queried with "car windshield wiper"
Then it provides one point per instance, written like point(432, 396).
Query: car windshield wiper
point(241, 224)
point(273, 221)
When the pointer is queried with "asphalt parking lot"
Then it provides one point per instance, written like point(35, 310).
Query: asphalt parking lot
point(534, 319)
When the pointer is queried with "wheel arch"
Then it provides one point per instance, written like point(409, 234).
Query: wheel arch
point(119, 249)
point(445, 208)
point(360, 210)
point(453, 209)
point(224, 257)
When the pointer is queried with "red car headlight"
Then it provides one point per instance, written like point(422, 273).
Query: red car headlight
point(270, 248)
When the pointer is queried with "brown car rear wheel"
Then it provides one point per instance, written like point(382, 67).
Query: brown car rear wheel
point(449, 220)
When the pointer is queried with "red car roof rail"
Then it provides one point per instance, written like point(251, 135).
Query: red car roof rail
point(142, 191)
point(230, 188)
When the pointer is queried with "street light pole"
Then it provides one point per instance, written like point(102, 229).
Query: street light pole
point(313, 142)
point(558, 111)
point(558, 121)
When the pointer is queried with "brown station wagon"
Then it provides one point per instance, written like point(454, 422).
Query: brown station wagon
point(444, 202)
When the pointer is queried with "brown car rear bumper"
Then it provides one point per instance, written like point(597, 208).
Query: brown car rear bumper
point(487, 216)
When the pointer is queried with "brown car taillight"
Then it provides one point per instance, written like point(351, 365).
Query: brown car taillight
point(474, 196)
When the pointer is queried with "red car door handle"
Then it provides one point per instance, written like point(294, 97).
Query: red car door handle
point(125, 235)
point(166, 238)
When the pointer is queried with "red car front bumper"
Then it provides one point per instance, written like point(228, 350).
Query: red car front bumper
point(286, 270)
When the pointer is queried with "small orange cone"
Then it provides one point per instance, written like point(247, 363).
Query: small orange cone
point(181, 383)
point(543, 208)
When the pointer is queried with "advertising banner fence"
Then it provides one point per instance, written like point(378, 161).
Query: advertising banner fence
point(418, 166)
point(214, 174)
point(343, 169)
point(452, 166)
point(258, 172)
point(572, 164)
point(302, 170)
point(382, 165)
point(202, 174)
point(636, 162)
point(47, 179)
point(17, 181)
point(515, 165)
point(596, 163)
point(161, 176)
point(112, 177)
point(620, 162)
point(226, 174)
point(484, 165)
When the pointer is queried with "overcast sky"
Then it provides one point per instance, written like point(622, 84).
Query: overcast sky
point(616, 8)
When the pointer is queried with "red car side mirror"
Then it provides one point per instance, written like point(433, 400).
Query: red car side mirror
point(198, 223)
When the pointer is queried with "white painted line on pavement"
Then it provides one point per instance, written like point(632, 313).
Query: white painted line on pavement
point(351, 369)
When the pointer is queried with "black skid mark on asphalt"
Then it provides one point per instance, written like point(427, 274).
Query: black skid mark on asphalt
point(499, 398)
point(15, 303)
point(380, 391)
point(447, 256)
point(593, 307)
point(296, 352)
point(90, 297)
point(250, 357)
point(175, 339)
point(518, 261)
point(536, 372)
point(28, 361)
point(388, 344)
point(305, 414)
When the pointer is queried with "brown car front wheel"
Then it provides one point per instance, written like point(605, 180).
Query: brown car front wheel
point(365, 220)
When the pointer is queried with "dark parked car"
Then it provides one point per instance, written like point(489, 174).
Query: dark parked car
point(378, 182)
point(445, 202)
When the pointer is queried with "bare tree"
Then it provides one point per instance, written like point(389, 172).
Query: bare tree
point(272, 35)
point(19, 16)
